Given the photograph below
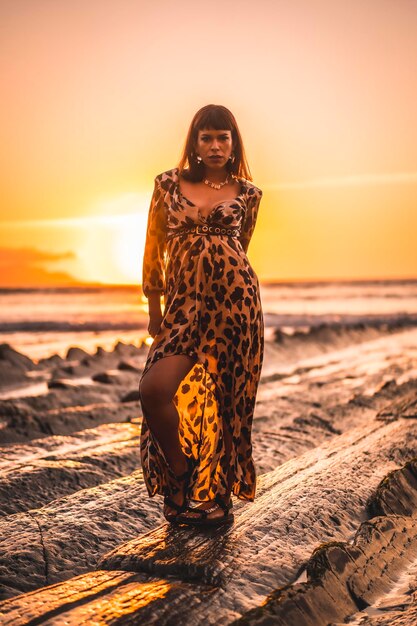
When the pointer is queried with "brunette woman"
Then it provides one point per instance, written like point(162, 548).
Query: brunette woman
point(199, 383)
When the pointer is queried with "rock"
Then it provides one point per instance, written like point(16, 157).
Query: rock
point(66, 537)
point(110, 377)
point(401, 407)
point(23, 421)
point(20, 423)
point(43, 480)
point(343, 578)
point(58, 446)
point(129, 366)
point(61, 383)
point(131, 396)
point(76, 354)
point(16, 359)
point(11, 376)
point(112, 597)
point(54, 359)
point(126, 349)
point(177, 568)
point(100, 352)
point(293, 513)
point(68, 369)
point(14, 367)
point(321, 452)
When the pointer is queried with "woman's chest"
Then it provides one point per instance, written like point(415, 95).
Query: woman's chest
point(182, 212)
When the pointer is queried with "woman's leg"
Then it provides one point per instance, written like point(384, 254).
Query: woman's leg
point(157, 390)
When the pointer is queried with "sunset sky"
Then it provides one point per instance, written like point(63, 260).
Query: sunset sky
point(97, 97)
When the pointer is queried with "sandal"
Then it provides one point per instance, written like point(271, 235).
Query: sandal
point(203, 519)
point(171, 517)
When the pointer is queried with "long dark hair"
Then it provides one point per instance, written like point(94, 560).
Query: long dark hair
point(216, 117)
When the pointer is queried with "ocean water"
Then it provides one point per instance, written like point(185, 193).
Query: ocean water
point(40, 322)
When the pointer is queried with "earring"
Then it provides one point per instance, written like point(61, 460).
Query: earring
point(232, 158)
point(199, 159)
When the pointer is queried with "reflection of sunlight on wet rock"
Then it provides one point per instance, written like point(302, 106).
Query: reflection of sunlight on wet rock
point(126, 599)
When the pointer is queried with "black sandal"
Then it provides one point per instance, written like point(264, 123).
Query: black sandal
point(204, 520)
point(171, 517)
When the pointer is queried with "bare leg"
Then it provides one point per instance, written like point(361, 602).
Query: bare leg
point(157, 389)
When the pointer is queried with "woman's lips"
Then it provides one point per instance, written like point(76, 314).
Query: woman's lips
point(215, 157)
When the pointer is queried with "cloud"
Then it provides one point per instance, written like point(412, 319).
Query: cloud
point(107, 213)
point(26, 267)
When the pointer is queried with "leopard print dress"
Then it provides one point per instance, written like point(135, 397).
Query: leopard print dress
point(212, 312)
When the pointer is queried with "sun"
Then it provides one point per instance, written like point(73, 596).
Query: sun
point(105, 246)
point(127, 246)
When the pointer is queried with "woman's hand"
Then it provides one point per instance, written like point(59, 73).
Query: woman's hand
point(155, 321)
point(155, 313)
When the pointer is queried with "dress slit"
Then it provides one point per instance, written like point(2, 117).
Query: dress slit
point(197, 402)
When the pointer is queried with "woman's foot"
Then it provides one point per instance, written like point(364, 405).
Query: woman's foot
point(170, 511)
point(176, 501)
point(212, 512)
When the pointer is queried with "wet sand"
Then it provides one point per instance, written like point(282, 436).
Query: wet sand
point(331, 537)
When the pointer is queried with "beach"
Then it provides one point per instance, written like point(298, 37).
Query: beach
point(331, 536)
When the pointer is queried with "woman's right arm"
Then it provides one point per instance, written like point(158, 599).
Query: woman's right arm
point(153, 269)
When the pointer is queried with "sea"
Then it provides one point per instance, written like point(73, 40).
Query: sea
point(40, 322)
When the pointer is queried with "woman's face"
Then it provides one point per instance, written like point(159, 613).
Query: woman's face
point(212, 143)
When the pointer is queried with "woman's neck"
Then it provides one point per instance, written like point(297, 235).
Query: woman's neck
point(215, 175)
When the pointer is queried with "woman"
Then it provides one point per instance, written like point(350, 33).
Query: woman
point(198, 404)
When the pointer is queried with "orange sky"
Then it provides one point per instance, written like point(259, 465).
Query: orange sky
point(97, 98)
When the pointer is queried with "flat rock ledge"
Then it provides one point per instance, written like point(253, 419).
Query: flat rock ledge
point(243, 575)
point(344, 578)
point(330, 538)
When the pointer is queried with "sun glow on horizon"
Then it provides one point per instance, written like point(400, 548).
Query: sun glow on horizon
point(106, 245)
point(106, 248)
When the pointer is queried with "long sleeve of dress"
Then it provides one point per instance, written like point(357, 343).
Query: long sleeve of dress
point(249, 221)
point(153, 268)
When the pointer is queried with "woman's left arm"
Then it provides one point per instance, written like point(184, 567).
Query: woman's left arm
point(249, 222)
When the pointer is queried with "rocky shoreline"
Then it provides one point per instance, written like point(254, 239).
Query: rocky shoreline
point(330, 538)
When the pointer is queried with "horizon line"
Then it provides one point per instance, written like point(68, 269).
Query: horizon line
point(266, 282)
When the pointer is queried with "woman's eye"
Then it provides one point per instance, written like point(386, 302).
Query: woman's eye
point(224, 138)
